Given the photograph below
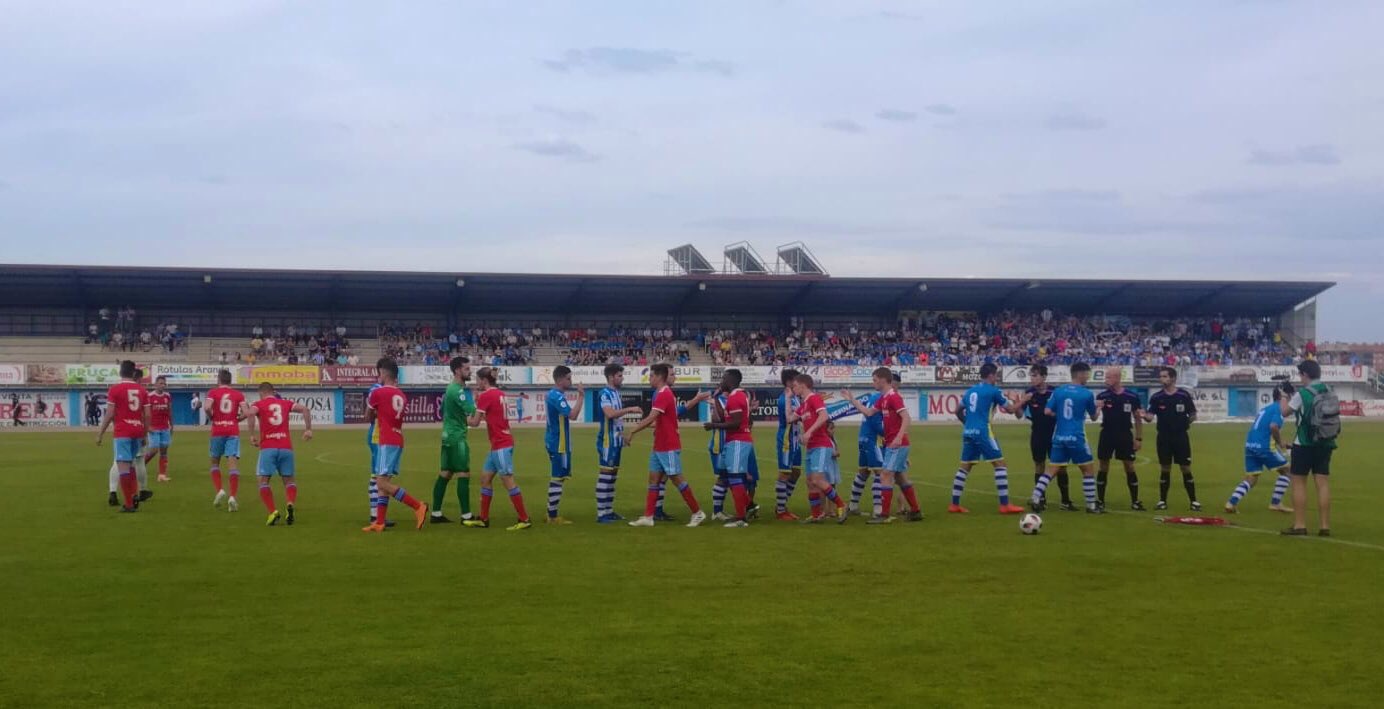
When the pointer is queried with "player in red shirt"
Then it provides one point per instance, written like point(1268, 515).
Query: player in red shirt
point(490, 407)
point(666, 461)
point(160, 426)
point(896, 419)
point(739, 446)
point(128, 409)
point(820, 450)
point(385, 408)
point(271, 414)
point(226, 409)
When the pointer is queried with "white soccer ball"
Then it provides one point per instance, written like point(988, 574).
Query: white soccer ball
point(1030, 523)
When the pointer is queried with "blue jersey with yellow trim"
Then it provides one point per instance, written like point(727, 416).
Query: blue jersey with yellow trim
point(1071, 404)
point(718, 436)
point(788, 403)
point(872, 427)
point(558, 437)
point(610, 433)
point(1261, 433)
point(979, 403)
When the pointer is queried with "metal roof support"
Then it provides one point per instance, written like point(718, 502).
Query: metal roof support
point(1216, 293)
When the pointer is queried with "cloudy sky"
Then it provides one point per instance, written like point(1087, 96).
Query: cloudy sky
point(1179, 138)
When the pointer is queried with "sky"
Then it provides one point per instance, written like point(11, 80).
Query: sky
point(1101, 138)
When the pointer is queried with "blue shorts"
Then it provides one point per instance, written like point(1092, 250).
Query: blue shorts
point(161, 439)
point(718, 462)
point(736, 456)
point(754, 467)
point(1259, 459)
point(127, 449)
point(560, 464)
point(500, 462)
point(790, 453)
point(386, 460)
point(666, 462)
point(981, 447)
point(871, 455)
point(374, 456)
point(275, 460)
point(609, 457)
point(834, 471)
point(819, 460)
point(225, 446)
point(896, 459)
point(1072, 450)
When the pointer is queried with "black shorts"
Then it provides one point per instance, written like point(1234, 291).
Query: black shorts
point(1174, 448)
point(1311, 460)
point(1116, 444)
point(1040, 445)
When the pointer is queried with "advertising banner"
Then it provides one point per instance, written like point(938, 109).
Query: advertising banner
point(1212, 404)
point(335, 375)
point(1372, 408)
point(34, 408)
point(646, 397)
point(420, 407)
point(918, 375)
point(91, 374)
point(1352, 408)
point(682, 375)
point(958, 374)
point(189, 374)
point(281, 375)
point(587, 376)
point(1345, 373)
point(46, 373)
point(12, 374)
point(419, 375)
point(322, 404)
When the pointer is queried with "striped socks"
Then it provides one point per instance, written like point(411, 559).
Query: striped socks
point(858, 488)
point(1002, 485)
point(958, 485)
point(1280, 488)
point(781, 495)
point(718, 496)
point(554, 496)
point(605, 494)
point(658, 506)
point(1088, 490)
point(877, 492)
point(1240, 491)
point(1040, 488)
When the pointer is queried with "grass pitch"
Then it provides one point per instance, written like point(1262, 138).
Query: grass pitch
point(182, 605)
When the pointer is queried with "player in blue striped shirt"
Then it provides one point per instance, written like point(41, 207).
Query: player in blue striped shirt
point(610, 441)
point(1262, 450)
point(558, 437)
point(1070, 405)
point(790, 448)
point(978, 443)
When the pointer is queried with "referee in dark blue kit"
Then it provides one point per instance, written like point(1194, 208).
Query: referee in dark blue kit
point(1175, 410)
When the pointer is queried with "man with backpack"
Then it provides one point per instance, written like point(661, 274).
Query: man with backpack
point(1318, 412)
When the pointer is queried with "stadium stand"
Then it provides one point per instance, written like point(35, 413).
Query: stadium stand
point(59, 314)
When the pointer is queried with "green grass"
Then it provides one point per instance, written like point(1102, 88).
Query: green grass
point(183, 605)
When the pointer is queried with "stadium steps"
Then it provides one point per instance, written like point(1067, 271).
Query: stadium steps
point(71, 350)
point(368, 350)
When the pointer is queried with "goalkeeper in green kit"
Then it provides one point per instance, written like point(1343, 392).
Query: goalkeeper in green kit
point(457, 406)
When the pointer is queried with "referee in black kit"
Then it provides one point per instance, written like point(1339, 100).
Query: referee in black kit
point(1121, 434)
point(1175, 410)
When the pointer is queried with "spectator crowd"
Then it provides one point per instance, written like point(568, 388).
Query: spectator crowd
point(296, 344)
point(1010, 338)
point(121, 331)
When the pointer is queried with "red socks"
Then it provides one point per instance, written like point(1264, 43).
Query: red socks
point(267, 497)
point(887, 502)
point(163, 465)
point(410, 500)
point(911, 497)
point(235, 482)
point(216, 479)
point(291, 491)
point(742, 500)
point(129, 486)
point(382, 513)
point(651, 501)
point(486, 496)
point(518, 500)
point(690, 499)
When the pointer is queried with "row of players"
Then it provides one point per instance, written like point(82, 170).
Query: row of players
point(1057, 440)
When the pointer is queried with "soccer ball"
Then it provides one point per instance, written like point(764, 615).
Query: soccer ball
point(1030, 523)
